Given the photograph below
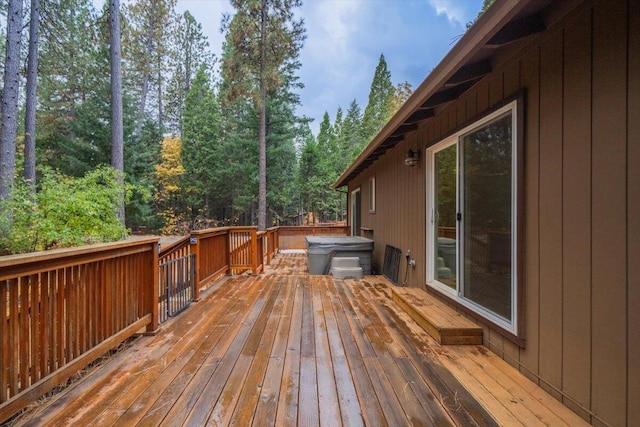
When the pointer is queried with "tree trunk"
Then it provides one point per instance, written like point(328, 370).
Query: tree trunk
point(262, 167)
point(117, 131)
point(30, 108)
point(146, 76)
point(10, 95)
point(160, 112)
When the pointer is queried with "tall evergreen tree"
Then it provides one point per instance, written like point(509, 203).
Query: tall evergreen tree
point(147, 32)
point(188, 51)
point(31, 95)
point(352, 137)
point(10, 97)
point(309, 176)
point(380, 106)
point(117, 127)
point(74, 68)
point(200, 143)
point(263, 36)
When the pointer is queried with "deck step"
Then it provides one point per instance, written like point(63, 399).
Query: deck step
point(439, 320)
point(347, 272)
point(338, 261)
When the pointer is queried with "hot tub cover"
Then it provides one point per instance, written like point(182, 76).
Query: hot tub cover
point(326, 244)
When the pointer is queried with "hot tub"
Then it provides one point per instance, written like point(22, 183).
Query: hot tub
point(320, 250)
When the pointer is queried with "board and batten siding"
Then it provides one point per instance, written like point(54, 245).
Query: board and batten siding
point(581, 228)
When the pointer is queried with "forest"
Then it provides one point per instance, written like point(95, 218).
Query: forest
point(120, 120)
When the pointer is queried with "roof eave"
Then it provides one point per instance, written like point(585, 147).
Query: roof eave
point(498, 15)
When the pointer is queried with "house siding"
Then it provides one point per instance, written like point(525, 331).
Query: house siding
point(581, 187)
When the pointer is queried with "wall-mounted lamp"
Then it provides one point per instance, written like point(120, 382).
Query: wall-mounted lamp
point(412, 157)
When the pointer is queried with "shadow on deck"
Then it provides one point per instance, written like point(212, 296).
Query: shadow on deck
point(285, 348)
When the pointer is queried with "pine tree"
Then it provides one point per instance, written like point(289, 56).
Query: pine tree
point(31, 95)
point(309, 176)
point(74, 68)
point(187, 52)
point(150, 23)
point(200, 143)
point(117, 127)
point(9, 129)
point(263, 37)
point(352, 137)
point(380, 106)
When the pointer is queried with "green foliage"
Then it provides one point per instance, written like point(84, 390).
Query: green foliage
point(66, 212)
point(200, 143)
point(486, 4)
point(381, 101)
point(187, 53)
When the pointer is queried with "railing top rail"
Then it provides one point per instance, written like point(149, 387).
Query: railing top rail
point(210, 232)
point(79, 251)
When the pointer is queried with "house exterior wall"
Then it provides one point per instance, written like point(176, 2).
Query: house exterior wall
point(581, 205)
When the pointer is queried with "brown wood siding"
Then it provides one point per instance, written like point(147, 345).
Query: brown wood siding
point(531, 81)
point(609, 216)
point(633, 219)
point(551, 212)
point(576, 213)
point(581, 205)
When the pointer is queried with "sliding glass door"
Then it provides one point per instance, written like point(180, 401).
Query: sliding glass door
point(471, 205)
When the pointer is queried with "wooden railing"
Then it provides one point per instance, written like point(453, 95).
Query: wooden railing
point(213, 255)
point(60, 310)
point(273, 244)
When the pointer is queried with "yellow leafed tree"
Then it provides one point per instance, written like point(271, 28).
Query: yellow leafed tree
point(169, 173)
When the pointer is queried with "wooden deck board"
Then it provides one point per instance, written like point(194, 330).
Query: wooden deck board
point(285, 348)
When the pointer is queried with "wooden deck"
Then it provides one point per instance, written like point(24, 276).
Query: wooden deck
point(285, 348)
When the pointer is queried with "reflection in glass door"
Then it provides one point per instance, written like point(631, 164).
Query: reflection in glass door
point(487, 216)
point(444, 216)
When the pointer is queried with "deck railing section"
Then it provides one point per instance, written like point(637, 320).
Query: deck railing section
point(213, 255)
point(242, 244)
point(272, 245)
point(60, 310)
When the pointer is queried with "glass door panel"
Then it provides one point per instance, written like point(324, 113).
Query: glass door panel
point(487, 216)
point(444, 216)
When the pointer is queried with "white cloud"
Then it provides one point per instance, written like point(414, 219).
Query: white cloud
point(456, 11)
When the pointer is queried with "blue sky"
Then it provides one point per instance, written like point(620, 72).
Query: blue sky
point(346, 37)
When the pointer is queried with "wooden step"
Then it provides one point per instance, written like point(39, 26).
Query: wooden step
point(439, 320)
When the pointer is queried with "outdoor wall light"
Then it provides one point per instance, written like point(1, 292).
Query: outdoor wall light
point(412, 158)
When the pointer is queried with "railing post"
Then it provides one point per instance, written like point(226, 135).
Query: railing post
point(254, 251)
point(194, 241)
point(227, 249)
point(154, 293)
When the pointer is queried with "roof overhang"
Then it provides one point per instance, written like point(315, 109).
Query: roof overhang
point(466, 63)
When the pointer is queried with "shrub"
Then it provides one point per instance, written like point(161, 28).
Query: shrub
point(65, 212)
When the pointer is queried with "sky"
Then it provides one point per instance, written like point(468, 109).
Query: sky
point(345, 39)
